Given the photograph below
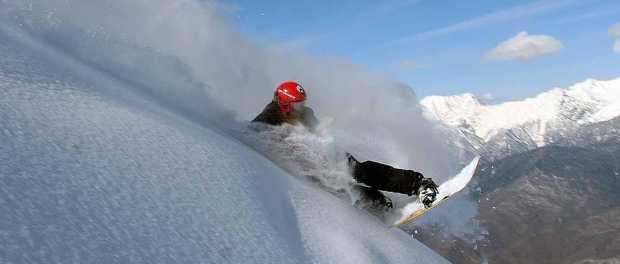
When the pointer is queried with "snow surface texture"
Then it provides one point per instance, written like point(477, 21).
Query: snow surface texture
point(584, 103)
point(450, 187)
point(97, 168)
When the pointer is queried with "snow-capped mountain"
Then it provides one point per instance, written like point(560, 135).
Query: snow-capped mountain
point(550, 170)
point(518, 126)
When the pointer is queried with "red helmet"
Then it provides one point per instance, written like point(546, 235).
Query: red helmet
point(289, 94)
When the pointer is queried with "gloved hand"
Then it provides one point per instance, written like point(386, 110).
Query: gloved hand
point(427, 192)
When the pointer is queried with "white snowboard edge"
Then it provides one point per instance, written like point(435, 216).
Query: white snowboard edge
point(449, 187)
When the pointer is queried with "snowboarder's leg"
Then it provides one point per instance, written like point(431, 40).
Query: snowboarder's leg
point(369, 198)
point(384, 177)
point(372, 199)
point(387, 178)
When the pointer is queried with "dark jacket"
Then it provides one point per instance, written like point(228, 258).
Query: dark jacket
point(272, 115)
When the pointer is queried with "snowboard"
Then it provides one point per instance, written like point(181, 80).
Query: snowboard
point(416, 209)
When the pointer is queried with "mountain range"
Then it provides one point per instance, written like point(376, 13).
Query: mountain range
point(547, 190)
point(552, 117)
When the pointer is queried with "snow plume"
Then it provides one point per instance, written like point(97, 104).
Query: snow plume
point(88, 178)
point(115, 146)
point(309, 156)
point(524, 47)
point(186, 55)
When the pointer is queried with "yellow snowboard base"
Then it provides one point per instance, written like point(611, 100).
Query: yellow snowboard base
point(420, 212)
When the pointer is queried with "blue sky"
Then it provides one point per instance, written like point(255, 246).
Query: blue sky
point(443, 47)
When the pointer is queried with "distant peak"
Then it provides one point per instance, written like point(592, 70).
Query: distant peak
point(589, 101)
point(466, 98)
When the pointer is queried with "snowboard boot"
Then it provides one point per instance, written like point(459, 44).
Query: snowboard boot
point(427, 192)
point(372, 199)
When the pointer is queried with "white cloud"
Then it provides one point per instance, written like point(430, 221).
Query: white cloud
point(617, 46)
point(614, 30)
point(524, 47)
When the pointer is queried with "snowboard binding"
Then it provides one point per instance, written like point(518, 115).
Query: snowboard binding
point(427, 192)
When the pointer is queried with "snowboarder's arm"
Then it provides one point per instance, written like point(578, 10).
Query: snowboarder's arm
point(309, 119)
point(270, 115)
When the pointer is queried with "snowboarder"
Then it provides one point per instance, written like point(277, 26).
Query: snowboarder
point(288, 106)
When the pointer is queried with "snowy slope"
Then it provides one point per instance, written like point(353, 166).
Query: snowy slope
point(94, 171)
point(531, 121)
